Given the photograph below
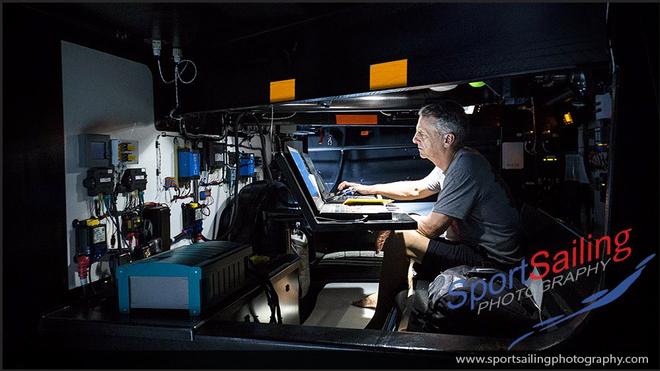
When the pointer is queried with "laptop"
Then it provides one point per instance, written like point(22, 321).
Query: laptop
point(313, 190)
point(330, 197)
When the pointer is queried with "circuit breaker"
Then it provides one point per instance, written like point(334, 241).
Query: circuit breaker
point(124, 151)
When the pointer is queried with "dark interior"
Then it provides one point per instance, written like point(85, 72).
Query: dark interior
point(553, 60)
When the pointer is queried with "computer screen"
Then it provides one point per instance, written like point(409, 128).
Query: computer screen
point(308, 178)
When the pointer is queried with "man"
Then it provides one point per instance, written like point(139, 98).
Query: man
point(472, 200)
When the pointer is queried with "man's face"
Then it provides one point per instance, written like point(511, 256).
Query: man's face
point(427, 138)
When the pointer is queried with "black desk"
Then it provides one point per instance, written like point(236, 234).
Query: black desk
point(398, 221)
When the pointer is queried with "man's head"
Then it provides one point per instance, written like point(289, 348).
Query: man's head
point(441, 128)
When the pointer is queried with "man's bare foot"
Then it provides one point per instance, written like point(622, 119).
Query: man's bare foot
point(368, 301)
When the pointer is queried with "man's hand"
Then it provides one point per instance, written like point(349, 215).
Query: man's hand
point(381, 237)
point(357, 187)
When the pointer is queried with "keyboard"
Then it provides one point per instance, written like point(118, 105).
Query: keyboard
point(342, 198)
point(345, 209)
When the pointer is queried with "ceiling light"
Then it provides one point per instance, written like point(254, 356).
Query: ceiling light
point(477, 84)
point(380, 97)
point(442, 87)
point(468, 110)
point(299, 104)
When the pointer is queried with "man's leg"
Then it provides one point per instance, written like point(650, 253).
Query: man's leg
point(399, 249)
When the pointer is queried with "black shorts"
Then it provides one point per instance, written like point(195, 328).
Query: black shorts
point(443, 254)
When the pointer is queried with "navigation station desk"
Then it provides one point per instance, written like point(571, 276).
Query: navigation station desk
point(399, 220)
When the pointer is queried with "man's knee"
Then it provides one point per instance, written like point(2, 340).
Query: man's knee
point(415, 243)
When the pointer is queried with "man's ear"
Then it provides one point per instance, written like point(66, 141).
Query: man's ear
point(449, 139)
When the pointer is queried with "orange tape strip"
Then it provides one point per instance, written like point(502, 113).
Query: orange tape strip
point(357, 119)
point(282, 90)
point(388, 75)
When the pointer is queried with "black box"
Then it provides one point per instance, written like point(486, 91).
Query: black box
point(190, 214)
point(215, 155)
point(99, 180)
point(159, 216)
point(134, 180)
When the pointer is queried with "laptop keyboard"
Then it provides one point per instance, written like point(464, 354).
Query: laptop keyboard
point(342, 198)
point(345, 209)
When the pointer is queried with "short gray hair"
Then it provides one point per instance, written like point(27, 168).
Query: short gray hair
point(449, 117)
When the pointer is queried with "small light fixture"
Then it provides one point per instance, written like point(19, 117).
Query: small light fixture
point(568, 118)
point(440, 88)
point(299, 104)
point(380, 97)
point(477, 84)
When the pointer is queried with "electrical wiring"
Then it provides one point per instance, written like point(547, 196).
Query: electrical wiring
point(532, 151)
point(178, 78)
point(159, 181)
point(262, 149)
point(272, 114)
point(278, 118)
point(212, 200)
point(208, 213)
point(187, 61)
point(160, 71)
point(90, 208)
point(115, 220)
point(176, 99)
point(234, 212)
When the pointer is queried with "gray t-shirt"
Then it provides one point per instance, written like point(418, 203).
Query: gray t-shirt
point(475, 197)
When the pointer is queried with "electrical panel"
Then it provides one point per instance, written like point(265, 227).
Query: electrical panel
point(215, 155)
point(99, 180)
point(134, 180)
point(188, 161)
point(93, 150)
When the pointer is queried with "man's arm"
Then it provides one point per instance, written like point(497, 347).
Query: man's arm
point(432, 225)
point(403, 190)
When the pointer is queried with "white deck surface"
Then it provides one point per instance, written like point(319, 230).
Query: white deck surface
point(333, 306)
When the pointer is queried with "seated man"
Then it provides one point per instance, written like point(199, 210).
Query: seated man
point(472, 200)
